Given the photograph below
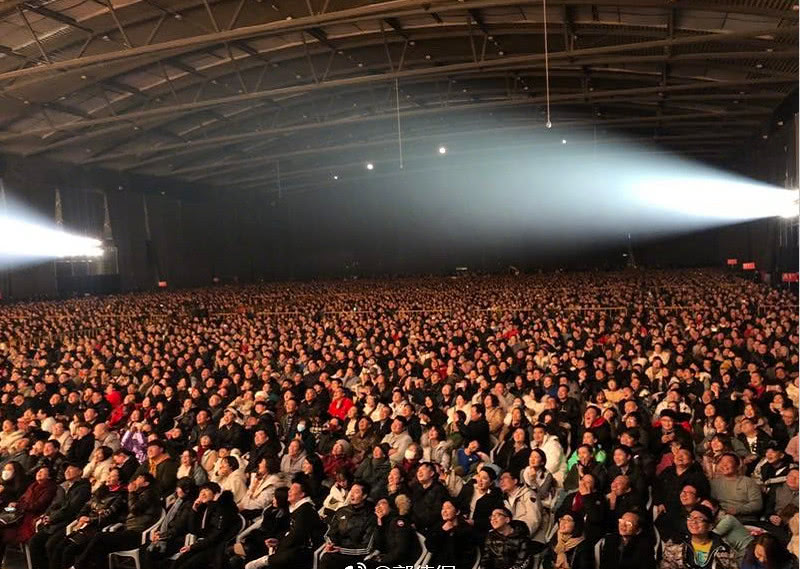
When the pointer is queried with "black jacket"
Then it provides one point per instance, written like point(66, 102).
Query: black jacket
point(54, 463)
point(509, 459)
point(476, 431)
point(634, 474)
point(668, 484)
point(484, 507)
point(270, 449)
point(81, 450)
point(296, 547)
point(198, 431)
point(638, 553)
point(427, 504)
point(144, 508)
point(396, 541)
point(214, 524)
point(166, 475)
point(453, 547)
point(106, 507)
point(63, 512)
point(373, 472)
point(180, 525)
point(353, 527)
point(128, 468)
point(230, 435)
point(594, 510)
point(629, 502)
point(508, 552)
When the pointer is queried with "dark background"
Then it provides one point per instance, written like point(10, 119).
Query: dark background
point(414, 223)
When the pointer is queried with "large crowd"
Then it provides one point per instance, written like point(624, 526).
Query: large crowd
point(639, 419)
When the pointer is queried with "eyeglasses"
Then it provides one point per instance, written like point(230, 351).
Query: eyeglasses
point(696, 520)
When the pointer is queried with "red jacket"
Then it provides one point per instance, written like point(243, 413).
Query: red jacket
point(339, 407)
point(33, 502)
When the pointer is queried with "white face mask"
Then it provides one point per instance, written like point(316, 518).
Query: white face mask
point(7, 475)
point(301, 427)
point(409, 455)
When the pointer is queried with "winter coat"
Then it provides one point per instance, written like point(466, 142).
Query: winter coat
point(556, 462)
point(106, 506)
point(353, 528)
point(144, 508)
point(680, 556)
point(638, 553)
point(508, 552)
point(525, 508)
point(33, 503)
point(396, 541)
point(63, 510)
point(427, 509)
point(452, 547)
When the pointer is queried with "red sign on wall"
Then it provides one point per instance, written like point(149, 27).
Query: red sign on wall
point(751, 266)
point(162, 284)
point(733, 262)
point(790, 277)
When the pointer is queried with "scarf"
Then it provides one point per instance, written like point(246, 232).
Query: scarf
point(562, 546)
point(153, 464)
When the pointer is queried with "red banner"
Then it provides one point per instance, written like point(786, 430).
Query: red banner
point(790, 277)
point(733, 262)
point(751, 266)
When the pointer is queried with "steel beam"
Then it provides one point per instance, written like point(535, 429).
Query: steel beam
point(422, 72)
point(390, 9)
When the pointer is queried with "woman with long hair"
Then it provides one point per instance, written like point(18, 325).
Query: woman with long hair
point(766, 552)
point(568, 547)
point(450, 542)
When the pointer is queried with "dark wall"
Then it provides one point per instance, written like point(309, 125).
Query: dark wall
point(411, 224)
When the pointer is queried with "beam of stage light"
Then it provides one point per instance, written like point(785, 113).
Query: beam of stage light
point(26, 240)
point(717, 198)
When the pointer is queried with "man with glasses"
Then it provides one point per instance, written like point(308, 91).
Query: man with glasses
point(629, 547)
point(672, 524)
point(701, 549)
point(508, 545)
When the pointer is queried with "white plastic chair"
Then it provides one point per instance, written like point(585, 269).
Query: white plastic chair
point(657, 544)
point(318, 555)
point(134, 553)
point(25, 551)
point(477, 563)
point(249, 529)
point(597, 547)
point(424, 555)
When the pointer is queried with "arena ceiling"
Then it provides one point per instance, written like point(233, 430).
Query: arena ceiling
point(253, 93)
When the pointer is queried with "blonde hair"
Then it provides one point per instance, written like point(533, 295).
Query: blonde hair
point(403, 504)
